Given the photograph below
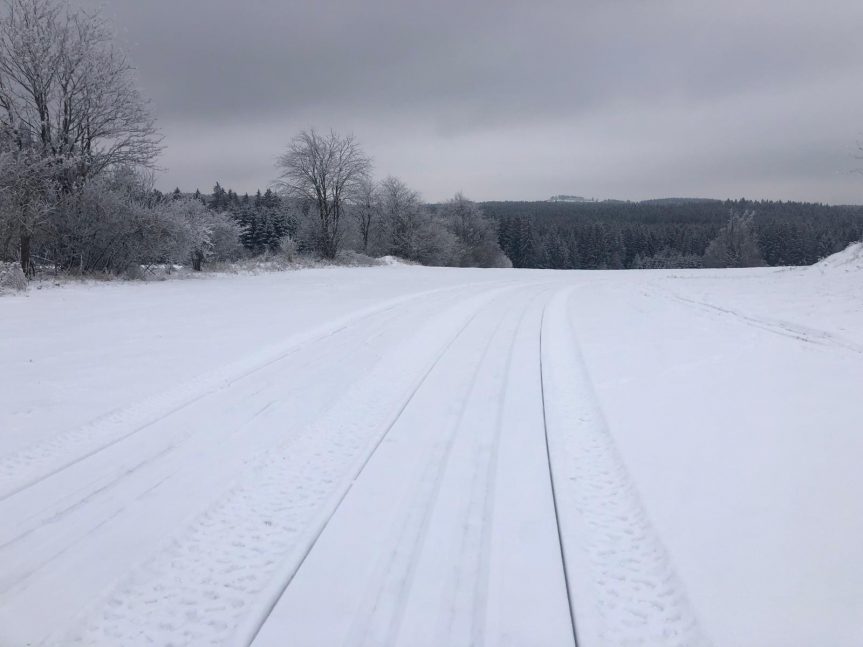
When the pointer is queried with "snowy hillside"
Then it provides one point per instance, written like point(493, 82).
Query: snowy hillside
point(402, 455)
point(849, 259)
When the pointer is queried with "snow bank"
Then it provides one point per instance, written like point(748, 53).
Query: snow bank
point(849, 259)
point(393, 260)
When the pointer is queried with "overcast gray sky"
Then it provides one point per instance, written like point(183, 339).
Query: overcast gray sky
point(625, 99)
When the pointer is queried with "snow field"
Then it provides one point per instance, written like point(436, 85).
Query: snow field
point(412, 456)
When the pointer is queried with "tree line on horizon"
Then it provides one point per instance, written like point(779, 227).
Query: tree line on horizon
point(614, 234)
point(671, 234)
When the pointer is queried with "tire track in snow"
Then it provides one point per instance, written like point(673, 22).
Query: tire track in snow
point(263, 528)
point(248, 634)
point(554, 498)
point(379, 620)
point(141, 512)
point(623, 587)
point(334, 346)
point(75, 500)
point(405, 559)
point(525, 597)
point(41, 460)
point(794, 331)
point(49, 505)
point(468, 585)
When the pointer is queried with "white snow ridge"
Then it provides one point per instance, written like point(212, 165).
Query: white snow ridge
point(849, 259)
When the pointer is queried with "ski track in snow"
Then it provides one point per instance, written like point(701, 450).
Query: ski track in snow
point(794, 331)
point(625, 591)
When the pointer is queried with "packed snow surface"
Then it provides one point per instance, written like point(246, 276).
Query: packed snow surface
point(402, 455)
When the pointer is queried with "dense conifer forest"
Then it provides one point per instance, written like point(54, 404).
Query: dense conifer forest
point(665, 233)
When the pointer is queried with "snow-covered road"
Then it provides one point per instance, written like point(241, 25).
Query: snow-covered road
point(410, 456)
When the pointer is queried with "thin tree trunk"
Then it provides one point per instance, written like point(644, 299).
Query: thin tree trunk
point(365, 225)
point(26, 261)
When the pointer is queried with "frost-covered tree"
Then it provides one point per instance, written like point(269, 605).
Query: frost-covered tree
point(402, 215)
point(736, 244)
point(411, 231)
point(68, 97)
point(208, 234)
point(477, 235)
point(66, 86)
point(366, 209)
point(27, 197)
point(114, 223)
point(326, 171)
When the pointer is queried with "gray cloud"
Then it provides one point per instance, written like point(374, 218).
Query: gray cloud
point(509, 100)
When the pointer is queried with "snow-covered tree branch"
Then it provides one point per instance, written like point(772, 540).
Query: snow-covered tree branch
point(326, 171)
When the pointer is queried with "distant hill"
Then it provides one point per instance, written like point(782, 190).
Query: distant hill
point(655, 201)
point(569, 198)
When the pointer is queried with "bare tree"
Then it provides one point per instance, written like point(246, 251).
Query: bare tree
point(411, 230)
point(67, 88)
point(366, 209)
point(27, 194)
point(68, 97)
point(326, 171)
point(403, 216)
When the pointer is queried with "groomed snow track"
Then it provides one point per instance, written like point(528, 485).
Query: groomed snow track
point(431, 471)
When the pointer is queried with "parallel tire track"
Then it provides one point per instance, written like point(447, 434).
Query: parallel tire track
point(338, 345)
point(266, 521)
point(399, 570)
point(473, 567)
point(622, 584)
point(414, 567)
point(42, 460)
point(248, 635)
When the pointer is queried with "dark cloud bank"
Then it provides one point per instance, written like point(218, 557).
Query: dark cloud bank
point(514, 100)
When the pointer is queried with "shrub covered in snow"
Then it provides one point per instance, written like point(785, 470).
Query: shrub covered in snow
point(12, 277)
point(204, 234)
